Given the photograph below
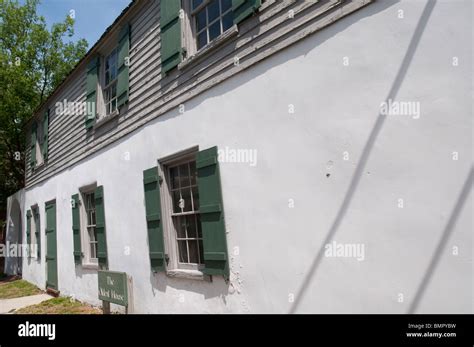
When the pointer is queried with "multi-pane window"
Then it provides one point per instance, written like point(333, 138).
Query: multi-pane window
point(110, 82)
point(89, 209)
point(36, 229)
point(185, 213)
point(211, 18)
point(39, 143)
point(34, 232)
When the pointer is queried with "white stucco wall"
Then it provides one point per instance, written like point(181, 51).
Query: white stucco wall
point(336, 111)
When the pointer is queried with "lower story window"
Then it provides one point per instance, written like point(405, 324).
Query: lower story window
point(36, 235)
point(189, 238)
point(184, 234)
point(35, 231)
point(185, 215)
point(90, 234)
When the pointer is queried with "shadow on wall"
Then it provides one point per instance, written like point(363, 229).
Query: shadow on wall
point(405, 64)
point(84, 271)
point(217, 288)
point(442, 242)
point(13, 265)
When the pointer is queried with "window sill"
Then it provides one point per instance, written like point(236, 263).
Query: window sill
point(229, 33)
point(106, 119)
point(90, 267)
point(188, 274)
point(39, 166)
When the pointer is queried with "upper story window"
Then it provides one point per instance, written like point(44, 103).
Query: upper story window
point(39, 144)
point(107, 79)
point(190, 29)
point(110, 82)
point(211, 18)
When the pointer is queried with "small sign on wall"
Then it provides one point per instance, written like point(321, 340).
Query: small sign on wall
point(113, 287)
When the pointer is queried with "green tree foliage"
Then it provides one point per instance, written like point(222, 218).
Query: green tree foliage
point(34, 60)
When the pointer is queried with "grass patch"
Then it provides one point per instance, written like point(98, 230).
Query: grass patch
point(17, 289)
point(60, 305)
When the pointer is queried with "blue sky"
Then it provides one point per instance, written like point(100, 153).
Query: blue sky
point(92, 16)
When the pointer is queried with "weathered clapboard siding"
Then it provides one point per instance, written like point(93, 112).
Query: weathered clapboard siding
point(67, 132)
point(65, 124)
point(262, 35)
point(77, 134)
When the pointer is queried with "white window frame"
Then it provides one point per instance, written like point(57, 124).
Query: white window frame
point(111, 84)
point(102, 116)
point(88, 261)
point(39, 143)
point(175, 268)
point(189, 33)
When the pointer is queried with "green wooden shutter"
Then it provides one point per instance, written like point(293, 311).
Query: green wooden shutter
point(244, 8)
point(51, 246)
point(170, 24)
point(76, 229)
point(33, 145)
point(28, 230)
point(44, 149)
point(100, 226)
point(151, 184)
point(91, 91)
point(37, 233)
point(123, 62)
point(212, 213)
